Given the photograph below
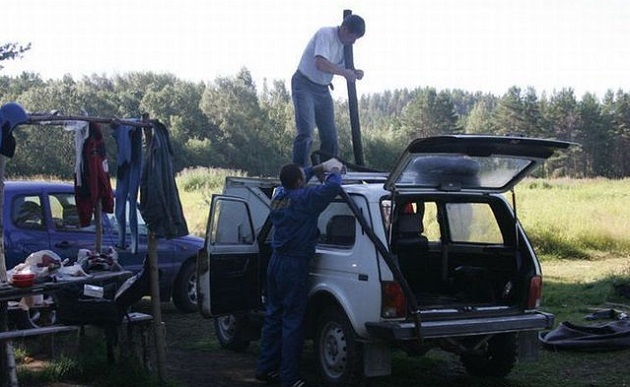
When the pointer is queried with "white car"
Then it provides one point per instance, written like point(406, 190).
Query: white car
point(428, 256)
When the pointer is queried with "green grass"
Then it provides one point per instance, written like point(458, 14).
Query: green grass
point(85, 364)
point(576, 219)
point(564, 218)
point(573, 289)
point(196, 187)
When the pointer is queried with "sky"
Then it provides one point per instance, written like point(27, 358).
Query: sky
point(474, 45)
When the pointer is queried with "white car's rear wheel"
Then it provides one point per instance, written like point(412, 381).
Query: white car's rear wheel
point(339, 355)
point(227, 329)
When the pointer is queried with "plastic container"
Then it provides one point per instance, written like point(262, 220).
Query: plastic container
point(23, 280)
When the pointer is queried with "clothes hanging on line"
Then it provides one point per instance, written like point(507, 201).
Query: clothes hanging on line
point(11, 115)
point(128, 171)
point(81, 133)
point(160, 206)
point(94, 177)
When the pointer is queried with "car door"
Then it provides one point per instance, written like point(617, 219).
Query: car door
point(67, 236)
point(228, 264)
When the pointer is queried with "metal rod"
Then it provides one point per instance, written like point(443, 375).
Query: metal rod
point(353, 104)
point(61, 120)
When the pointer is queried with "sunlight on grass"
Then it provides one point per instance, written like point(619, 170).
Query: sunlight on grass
point(574, 289)
point(584, 271)
point(570, 219)
point(196, 187)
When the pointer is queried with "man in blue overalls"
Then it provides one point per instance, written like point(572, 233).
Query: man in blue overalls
point(295, 208)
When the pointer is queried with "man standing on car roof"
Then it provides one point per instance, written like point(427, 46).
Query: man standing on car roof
point(322, 59)
point(295, 209)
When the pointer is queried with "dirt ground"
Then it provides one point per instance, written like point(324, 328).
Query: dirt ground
point(223, 369)
point(195, 359)
point(193, 356)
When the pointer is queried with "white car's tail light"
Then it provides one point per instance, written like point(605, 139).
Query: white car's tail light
point(535, 292)
point(392, 300)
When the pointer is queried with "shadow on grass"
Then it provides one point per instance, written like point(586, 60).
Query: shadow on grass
point(571, 301)
point(195, 354)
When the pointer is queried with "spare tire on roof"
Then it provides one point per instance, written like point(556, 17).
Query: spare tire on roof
point(443, 170)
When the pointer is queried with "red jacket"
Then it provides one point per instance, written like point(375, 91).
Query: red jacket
point(95, 183)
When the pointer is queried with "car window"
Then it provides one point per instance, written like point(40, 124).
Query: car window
point(64, 213)
point(431, 223)
point(27, 212)
point(418, 217)
point(337, 226)
point(473, 223)
point(142, 227)
point(230, 223)
point(386, 212)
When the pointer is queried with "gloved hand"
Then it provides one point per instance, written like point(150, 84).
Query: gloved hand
point(331, 164)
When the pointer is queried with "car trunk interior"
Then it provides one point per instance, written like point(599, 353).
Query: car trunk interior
point(448, 271)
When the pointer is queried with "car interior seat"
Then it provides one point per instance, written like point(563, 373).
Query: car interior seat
point(30, 215)
point(71, 217)
point(408, 245)
point(409, 236)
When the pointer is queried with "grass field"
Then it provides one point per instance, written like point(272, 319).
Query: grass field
point(564, 218)
point(571, 219)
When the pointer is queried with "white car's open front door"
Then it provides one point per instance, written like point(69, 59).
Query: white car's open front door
point(228, 278)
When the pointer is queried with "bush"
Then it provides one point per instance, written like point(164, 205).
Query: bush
point(205, 179)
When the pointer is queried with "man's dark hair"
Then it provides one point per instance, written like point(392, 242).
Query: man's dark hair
point(355, 25)
point(290, 174)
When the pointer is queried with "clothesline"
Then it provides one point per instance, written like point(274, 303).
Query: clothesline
point(60, 120)
point(128, 144)
point(12, 115)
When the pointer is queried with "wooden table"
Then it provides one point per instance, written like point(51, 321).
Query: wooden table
point(9, 292)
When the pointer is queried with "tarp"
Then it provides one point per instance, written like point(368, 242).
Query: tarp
point(609, 336)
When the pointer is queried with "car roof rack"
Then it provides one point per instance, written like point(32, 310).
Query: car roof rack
point(364, 177)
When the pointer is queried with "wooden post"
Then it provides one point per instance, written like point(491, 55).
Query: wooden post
point(8, 371)
point(353, 104)
point(98, 222)
point(160, 342)
point(4, 348)
point(3, 264)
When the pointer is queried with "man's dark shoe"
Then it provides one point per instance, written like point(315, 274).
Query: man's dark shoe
point(299, 383)
point(272, 377)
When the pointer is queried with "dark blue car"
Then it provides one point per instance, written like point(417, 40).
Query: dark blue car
point(43, 216)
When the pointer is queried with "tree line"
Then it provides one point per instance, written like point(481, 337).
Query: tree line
point(230, 123)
